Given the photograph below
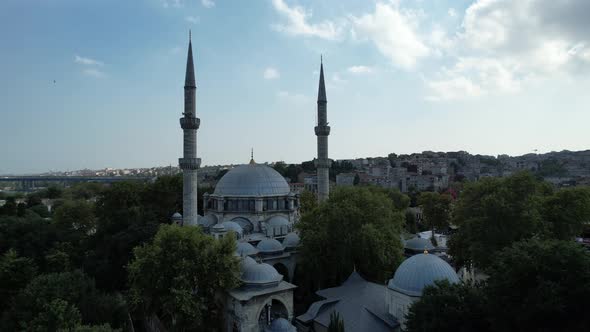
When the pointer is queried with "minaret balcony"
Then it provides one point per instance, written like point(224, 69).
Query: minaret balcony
point(189, 163)
point(322, 130)
point(190, 123)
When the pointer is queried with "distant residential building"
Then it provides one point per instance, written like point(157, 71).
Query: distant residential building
point(345, 179)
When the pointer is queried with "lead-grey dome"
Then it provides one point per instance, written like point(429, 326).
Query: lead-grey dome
point(269, 246)
point(246, 260)
point(260, 275)
point(252, 180)
point(291, 240)
point(277, 225)
point(420, 271)
point(418, 244)
point(233, 226)
point(246, 249)
point(280, 325)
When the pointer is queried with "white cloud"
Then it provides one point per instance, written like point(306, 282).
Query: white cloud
point(173, 3)
point(208, 3)
point(394, 33)
point(297, 23)
point(359, 69)
point(504, 45)
point(87, 61)
point(271, 73)
point(192, 19)
point(452, 12)
point(93, 72)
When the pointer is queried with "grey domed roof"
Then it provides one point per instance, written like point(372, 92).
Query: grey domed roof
point(233, 226)
point(246, 260)
point(420, 271)
point(252, 180)
point(208, 220)
point(260, 275)
point(269, 246)
point(246, 249)
point(291, 240)
point(277, 225)
point(176, 215)
point(418, 244)
point(280, 325)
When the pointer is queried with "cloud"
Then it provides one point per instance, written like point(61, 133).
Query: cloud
point(297, 23)
point(271, 73)
point(192, 19)
point(87, 61)
point(394, 33)
point(452, 12)
point(93, 72)
point(173, 3)
point(359, 70)
point(208, 3)
point(504, 45)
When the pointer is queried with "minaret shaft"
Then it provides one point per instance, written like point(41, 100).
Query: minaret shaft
point(189, 163)
point(322, 131)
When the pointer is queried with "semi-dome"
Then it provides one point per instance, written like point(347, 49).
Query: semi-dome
point(260, 275)
point(269, 246)
point(280, 325)
point(420, 271)
point(246, 249)
point(418, 244)
point(233, 226)
point(291, 240)
point(277, 225)
point(252, 180)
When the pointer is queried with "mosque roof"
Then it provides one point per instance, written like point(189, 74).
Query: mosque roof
point(233, 226)
point(269, 246)
point(420, 271)
point(418, 244)
point(291, 240)
point(260, 275)
point(252, 180)
point(246, 249)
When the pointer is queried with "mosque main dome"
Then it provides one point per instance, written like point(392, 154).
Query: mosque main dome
point(252, 180)
point(420, 271)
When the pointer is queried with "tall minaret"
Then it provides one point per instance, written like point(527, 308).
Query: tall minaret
point(322, 130)
point(189, 161)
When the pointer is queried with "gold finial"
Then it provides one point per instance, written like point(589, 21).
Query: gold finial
point(252, 162)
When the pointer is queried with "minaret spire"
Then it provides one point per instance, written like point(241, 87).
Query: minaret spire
point(189, 123)
point(322, 131)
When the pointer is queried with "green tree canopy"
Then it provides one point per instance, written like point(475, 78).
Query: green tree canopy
point(446, 307)
point(177, 275)
point(356, 226)
point(15, 274)
point(537, 285)
point(566, 212)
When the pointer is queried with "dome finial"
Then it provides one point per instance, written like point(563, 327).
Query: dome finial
point(252, 162)
point(425, 251)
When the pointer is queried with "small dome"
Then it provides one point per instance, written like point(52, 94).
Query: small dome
point(420, 271)
point(218, 228)
point(277, 225)
point(291, 240)
point(280, 325)
point(269, 246)
point(176, 215)
point(260, 275)
point(246, 260)
point(418, 244)
point(208, 220)
point(246, 249)
point(233, 226)
point(252, 180)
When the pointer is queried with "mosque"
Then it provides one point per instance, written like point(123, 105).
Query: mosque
point(254, 203)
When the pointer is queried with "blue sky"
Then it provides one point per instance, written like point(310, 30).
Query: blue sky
point(485, 76)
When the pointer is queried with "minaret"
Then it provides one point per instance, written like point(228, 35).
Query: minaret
point(322, 130)
point(189, 163)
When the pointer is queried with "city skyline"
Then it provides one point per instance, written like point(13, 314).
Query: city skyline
point(402, 77)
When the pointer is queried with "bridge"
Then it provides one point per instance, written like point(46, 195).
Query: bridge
point(28, 182)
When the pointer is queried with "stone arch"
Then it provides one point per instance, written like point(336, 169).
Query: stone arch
point(246, 224)
point(272, 309)
point(284, 270)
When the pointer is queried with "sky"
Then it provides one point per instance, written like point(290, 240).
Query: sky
point(95, 84)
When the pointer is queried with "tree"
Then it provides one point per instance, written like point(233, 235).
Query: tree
point(446, 307)
point(308, 201)
point(280, 167)
point(177, 275)
point(356, 226)
point(436, 209)
point(494, 213)
point(566, 212)
point(411, 226)
point(15, 274)
point(336, 323)
point(547, 283)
